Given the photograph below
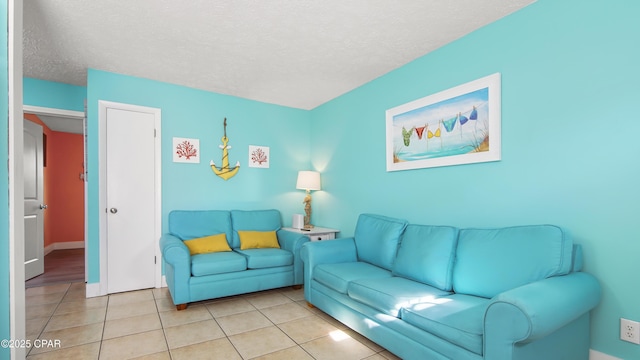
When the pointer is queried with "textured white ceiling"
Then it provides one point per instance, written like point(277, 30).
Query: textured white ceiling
point(297, 53)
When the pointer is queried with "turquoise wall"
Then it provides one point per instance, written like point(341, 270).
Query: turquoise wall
point(192, 113)
point(53, 94)
point(570, 90)
point(5, 315)
point(569, 96)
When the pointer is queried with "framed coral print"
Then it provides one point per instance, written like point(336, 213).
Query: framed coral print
point(259, 156)
point(456, 126)
point(186, 150)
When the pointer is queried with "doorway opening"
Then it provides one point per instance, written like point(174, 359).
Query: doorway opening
point(65, 195)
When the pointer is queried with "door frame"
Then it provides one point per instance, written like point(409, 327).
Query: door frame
point(102, 175)
point(17, 322)
point(79, 115)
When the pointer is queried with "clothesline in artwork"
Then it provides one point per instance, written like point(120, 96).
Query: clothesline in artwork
point(449, 125)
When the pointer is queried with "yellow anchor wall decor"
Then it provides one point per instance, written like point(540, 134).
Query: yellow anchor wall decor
point(225, 171)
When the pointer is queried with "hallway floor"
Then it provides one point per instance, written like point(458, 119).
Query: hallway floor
point(60, 266)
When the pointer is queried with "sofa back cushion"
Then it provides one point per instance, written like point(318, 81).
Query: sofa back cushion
point(377, 239)
point(426, 255)
point(576, 258)
point(191, 224)
point(491, 261)
point(253, 220)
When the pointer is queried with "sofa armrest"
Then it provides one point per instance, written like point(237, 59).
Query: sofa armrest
point(293, 242)
point(174, 250)
point(535, 310)
point(329, 251)
point(177, 269)
point(325, 252)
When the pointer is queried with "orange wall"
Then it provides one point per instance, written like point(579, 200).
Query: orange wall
point(63, 189)
point(66, 156)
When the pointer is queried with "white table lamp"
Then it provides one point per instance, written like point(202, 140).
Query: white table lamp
point(308, 180)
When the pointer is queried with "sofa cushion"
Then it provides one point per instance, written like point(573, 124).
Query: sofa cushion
point(377, 239)
point(456, 318)
point(426, 254)
point(491, 261)
point(391, 294)
point(208, 244)
point(253, 220)
point(217, 263)
point(190, 224)
point(338, 276)
point(266, 258)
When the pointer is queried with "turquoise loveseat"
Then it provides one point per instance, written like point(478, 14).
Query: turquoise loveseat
point(438, 292)
point(213, 275)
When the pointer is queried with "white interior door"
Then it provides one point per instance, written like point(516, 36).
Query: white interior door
point(131, 199)
point(33, 201)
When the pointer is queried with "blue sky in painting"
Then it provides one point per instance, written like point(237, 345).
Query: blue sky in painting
point(443, 110)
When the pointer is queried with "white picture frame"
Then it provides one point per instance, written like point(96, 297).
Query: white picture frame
point(460, 125)
point(186, 150)
point(259, 156)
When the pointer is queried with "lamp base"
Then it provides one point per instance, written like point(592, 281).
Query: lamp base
point(307, 227)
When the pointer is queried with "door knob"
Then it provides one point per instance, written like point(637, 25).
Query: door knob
point(113, 210)
point(43, 207)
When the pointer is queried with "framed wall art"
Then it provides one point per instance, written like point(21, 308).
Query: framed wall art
point(186, 150)
point(259, 156)
point(456, 126)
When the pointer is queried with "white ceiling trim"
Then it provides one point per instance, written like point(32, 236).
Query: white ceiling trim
point(39, 110)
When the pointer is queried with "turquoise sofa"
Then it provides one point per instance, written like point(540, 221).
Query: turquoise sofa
point(438, 292)
point(213, 275)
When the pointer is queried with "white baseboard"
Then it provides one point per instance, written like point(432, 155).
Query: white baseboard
point(49, 248)
point(93, 290)
point(63, 245)
point(597, 355)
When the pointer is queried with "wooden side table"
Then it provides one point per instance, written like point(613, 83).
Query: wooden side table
point(316, 234)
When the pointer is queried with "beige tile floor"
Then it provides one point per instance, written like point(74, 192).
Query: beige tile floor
point(275, 324)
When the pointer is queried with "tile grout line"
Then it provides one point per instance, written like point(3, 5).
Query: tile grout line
point(164, 332)
point(278, 327)
point(297, 344)
point(137, 333)
point(358, 341)
point(224, 332)
point(104, 325)
point(50, 317)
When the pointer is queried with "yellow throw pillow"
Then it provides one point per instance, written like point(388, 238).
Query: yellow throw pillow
point(208, 244)
point(258, 240)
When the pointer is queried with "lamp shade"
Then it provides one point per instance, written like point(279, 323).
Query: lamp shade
point(308, 180)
